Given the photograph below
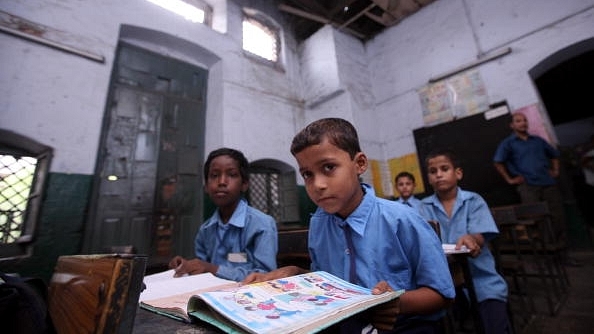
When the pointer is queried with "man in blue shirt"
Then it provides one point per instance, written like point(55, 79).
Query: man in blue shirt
point(532, 165)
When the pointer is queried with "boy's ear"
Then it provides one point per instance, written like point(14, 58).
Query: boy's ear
point(244, 186)
point(459, 173)
point(361, 162)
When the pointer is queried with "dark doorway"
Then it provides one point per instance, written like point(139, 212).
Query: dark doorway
point(564, 84)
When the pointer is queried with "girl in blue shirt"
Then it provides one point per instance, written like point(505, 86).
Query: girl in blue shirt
point(466, 220)
point(237, 239)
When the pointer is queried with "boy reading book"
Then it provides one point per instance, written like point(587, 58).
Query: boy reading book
point(373, 242)
point(237, 239)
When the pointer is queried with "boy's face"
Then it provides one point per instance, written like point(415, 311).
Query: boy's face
point(405, 186)
point(224, 183)
point(331, 177)
point(442, 175)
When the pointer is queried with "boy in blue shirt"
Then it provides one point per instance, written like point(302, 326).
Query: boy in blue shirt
point(393, 246)
point(405, 186)
point(237, 239)
point(466, 220)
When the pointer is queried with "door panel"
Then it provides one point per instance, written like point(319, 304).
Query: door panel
point(148, 172)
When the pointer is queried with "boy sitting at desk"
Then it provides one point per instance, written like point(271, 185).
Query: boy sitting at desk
point(465, 220)
point(405, 186)
point(237, 239)
point(392, 246)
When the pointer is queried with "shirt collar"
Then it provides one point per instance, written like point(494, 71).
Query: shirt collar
point(237, 218)
point(358, 219)
point(461, 196)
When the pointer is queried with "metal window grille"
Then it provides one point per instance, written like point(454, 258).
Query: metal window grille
point(261, 38)
point(264, 193)
point(16, 179)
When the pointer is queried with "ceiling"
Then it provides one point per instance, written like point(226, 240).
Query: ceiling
point(361, 18)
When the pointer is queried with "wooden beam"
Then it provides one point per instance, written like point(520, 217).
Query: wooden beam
point(358, 15)
point(316, 18)
point(304, 14)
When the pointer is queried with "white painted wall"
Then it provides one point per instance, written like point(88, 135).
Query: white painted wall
point(59, 99)
point(450, 33)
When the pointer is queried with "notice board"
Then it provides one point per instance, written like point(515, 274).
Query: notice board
point(474, 139)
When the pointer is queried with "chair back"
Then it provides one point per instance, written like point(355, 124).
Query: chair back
point(539, 213)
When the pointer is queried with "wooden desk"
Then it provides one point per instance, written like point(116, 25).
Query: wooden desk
point(461, 260)
point(147, 322)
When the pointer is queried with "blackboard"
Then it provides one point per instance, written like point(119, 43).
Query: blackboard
point(474, 139)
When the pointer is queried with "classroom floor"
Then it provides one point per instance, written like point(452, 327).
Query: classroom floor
point(576, 313)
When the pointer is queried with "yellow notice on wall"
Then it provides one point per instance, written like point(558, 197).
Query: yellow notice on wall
point(407, 163)
point(376, 175)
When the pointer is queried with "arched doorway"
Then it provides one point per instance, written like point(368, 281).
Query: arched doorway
point(563, 81)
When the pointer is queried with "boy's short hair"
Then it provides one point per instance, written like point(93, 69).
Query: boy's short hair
point(235, 155)
point(405, 174)
point(338, 131)
point(447, 152)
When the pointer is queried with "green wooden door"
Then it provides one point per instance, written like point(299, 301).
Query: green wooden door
point(148, 188)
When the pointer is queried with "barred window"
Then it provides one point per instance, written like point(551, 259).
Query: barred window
point(273, 190)
point(261, 36)
point(24, 164)
point(264, 193)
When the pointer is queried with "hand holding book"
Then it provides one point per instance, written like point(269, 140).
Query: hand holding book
point(384, 316)
point(304, 303)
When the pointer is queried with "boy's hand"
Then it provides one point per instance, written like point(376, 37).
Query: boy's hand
point(384, 316)
point(176, 262)
point(190, 267)
point(278, 273)
point(473, 242)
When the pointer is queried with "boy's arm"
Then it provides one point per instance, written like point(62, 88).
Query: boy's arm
point(423, 300)
point(194, 267)
point(275, 274)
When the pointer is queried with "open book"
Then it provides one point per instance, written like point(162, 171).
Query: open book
point(304, 303)
point(168, 295)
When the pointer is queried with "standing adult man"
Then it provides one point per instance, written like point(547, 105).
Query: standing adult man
point(532, 165)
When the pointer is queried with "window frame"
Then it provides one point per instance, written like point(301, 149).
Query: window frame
point(288, 206)
point(267, 22)
point(12, 143)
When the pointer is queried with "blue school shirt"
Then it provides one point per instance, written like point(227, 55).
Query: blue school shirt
point(248, 231)
point(470, 215)
point(529, 158)
point(414, 202)
point(392, 243)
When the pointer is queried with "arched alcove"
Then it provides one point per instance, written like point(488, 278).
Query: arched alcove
point(273, 189)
